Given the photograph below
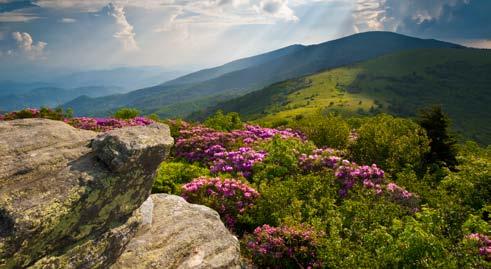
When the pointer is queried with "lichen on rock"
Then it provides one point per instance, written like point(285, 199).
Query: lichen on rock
point(68, 196)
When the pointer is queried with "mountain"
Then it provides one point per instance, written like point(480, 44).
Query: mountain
point(59, 89)
point(8, 87)
point(49, 96)
point(246, 75)
point(398, 83)
point(237, 65)
point(126, 78)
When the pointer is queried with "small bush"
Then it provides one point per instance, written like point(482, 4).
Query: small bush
point(126, 113)
point(224, 122)
point(229, 197)
point(324, 131)
point(171, 175)
point(283, 247)
point(390, 142)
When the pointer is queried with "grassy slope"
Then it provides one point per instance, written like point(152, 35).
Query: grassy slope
point(250, 74)
point(398, 84)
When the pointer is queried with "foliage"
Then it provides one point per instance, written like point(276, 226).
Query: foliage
point(357, 215)
point(442, 144)
point(106, 124)
point(45, 113)
point(283, 247)
point(171, 175)
point(224, 122)
point(126, 113)
point(324, 130)
point(230, 197)
point(392, 143)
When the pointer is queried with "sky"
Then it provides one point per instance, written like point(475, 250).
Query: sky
point(190, 34)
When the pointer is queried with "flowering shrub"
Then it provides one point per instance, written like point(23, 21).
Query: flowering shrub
point(240, 161)
point(199, 143)
point(46, 113)
point(348, 174)
point(283, 247)
point(483, 242)
point(319, 159)
point(229, 197)
point(402, 196)
point(106, 124)
point(86, 123)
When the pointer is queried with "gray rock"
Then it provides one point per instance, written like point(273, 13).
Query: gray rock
point(181, 235)
point(64, 204)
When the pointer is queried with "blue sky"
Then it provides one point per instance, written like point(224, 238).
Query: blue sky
point(177, 34)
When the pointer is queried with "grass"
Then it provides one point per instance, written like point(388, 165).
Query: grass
point(399, 84)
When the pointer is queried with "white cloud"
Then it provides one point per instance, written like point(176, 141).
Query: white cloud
point(277, 8)
point(126, 34)
point(67, 20)
point(26, 45)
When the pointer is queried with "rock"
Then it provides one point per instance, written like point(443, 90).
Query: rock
point(68, 202)
point(180, 235)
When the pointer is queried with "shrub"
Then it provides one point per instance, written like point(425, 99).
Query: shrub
point(106, 124)
point(224, 122)
point(238, 162)
point(294, 200)
point(171, 175)
point(45, 113)
point(283, 247)
point(324, 131)
point(229, 197)
point(390, 142)
point(126, 113)
point(282, 158)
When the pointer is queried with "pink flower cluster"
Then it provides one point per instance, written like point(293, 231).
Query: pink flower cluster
point(348, 174)
point(483, 242)
point(199, 143)
point(222, 151)
point(253, 133)
point(106, 124)
point(240, 161)
point(283, 247)
point(229, 197)
point(319, 159)
point(401, 195)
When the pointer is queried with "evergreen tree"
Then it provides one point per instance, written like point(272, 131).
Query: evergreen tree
point(442, 143)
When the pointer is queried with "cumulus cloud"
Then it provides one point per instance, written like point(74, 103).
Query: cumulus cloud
point(26, 45)
point(394, 14)
point(125, 34)
point(277, 8)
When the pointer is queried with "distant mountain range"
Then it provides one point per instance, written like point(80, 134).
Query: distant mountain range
point(60, 89)
point(398, 83)
point(51, 96)
point(198, 90)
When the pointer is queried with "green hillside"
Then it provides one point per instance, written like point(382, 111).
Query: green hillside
point(240, 77)
point(399, 84)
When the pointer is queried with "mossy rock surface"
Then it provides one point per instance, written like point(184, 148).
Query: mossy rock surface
point(177, 234)
point(67, 196)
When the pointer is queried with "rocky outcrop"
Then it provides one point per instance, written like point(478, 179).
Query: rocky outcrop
point(176, 234)
point(68, 197)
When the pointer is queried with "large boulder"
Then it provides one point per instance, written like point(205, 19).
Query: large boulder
point(176, 234)
point(68, 196)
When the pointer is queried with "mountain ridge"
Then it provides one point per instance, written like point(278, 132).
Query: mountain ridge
point(297, 61)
